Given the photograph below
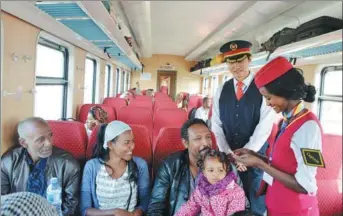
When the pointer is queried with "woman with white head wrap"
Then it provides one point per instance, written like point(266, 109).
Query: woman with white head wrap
point(114, 182)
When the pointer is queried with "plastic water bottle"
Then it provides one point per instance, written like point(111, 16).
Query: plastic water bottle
point(54, 195)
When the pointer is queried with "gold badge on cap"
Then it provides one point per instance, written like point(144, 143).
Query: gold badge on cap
point(233, 46)
point(312, 157)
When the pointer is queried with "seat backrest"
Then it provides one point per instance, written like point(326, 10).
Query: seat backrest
point(84, 109)
point(169, 141)
point(195, 101)
point(168, 117)
point(91, 142)
point(116, 103)
point(143, 98)
point(70, 136)
point(164, 105)
point(141, 103)
point(329, 179)
point(332, 154)
point(160, 94)
point(143, 147)
point(163, 99)
point(137, 115)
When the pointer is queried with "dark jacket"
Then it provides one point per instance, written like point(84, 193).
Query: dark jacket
point(15, 172)
point(172, 185)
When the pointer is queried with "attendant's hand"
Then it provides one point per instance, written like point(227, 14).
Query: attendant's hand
point(241, 167)
point(138, 212)
point(249, 159)
point(243, 151)
point(121, 212)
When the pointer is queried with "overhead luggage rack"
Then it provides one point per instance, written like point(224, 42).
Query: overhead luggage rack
point(317, 46)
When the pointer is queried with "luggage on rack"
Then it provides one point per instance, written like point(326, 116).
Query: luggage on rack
point(280, 38)
point(318, 26)
point(207, 63)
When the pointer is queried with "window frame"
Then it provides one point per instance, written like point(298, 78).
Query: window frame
point(46, 81)
point(122, 80)
point(228, 77)
point(213, 80)
point(94, 77)
point(108, 71)
point(205, 85)
point(322, 97)
point(117, 80)
point(129, 80)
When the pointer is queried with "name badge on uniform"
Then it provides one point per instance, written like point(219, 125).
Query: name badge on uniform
point(268, 178)
point(312, 157)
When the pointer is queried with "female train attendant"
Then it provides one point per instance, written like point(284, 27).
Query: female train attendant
point(290, 170)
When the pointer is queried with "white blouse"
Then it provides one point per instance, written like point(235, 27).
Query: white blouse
point(114, 193)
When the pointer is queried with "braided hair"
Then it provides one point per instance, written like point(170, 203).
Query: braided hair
point(212, 153)
point(99, 114)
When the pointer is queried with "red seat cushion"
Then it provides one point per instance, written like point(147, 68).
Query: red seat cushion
point(143, 98)
point(169, 117)
point(141, 103)
point(116, 103)
point(143, 146)
point(329, 180)
point(168, 142)
point(70, 136)
point(137, 115)
point(164, 105)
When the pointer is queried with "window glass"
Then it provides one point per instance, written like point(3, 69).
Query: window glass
point(51, 80)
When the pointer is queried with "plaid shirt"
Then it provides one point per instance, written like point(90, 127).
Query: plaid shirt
point(26, 204)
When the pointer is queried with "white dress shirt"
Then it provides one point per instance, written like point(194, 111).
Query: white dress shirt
point(262, 130)
point(307, 136)
point(202, 113)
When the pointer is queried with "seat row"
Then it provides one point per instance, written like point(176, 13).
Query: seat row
point(163, 117)
point(72, 137)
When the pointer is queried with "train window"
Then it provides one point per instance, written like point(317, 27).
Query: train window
point(108, 82)
point(122, 82)
point(51, 80)
point(205, 86)
point(90, 81)
point(125, 80)
point(226, 78)
point(214, 85)
point(118, 81)
point(128, 79)
point(330, 100)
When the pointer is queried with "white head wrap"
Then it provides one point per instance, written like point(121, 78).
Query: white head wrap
point(114, 129)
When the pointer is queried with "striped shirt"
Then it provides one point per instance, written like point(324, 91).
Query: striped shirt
point(114, 193)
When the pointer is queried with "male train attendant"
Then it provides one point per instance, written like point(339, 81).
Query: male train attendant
point(241, 117)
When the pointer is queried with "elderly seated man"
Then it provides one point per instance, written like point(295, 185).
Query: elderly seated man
point(31, 166)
